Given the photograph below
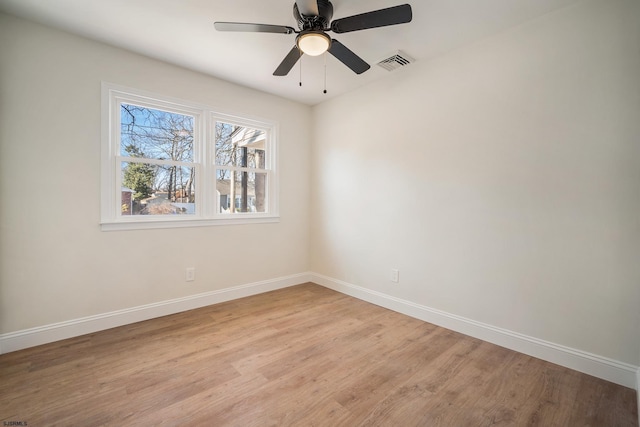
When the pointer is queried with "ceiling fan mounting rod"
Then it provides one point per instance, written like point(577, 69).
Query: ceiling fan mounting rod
point(320, 21)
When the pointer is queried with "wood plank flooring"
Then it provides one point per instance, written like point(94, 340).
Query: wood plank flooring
point(301, 356)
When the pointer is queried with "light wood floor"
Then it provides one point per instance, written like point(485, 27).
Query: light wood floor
point(303, 356)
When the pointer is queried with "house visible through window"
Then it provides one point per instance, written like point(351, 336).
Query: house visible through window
point(168, 163)
point(241, 176)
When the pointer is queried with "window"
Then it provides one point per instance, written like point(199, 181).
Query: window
point(241, 175)
point(168, 163)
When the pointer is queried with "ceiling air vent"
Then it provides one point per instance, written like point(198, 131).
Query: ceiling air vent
point(395, 61)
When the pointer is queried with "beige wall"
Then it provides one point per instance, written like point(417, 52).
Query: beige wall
point(502, 180)
point(55, 263)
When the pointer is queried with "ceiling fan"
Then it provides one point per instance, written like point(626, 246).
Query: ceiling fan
point(314, 20)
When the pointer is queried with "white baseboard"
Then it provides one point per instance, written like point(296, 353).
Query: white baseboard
point(58, 331)
point(598, 366)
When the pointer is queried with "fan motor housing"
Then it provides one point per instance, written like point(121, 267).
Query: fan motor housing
point(320, 22)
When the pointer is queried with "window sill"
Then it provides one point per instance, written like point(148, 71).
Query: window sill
point(186, 223)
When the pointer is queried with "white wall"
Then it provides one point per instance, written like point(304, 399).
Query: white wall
point(502, 180)
point(55, 263)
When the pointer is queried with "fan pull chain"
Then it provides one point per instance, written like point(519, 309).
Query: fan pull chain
point(325, 73)
point(300, 81)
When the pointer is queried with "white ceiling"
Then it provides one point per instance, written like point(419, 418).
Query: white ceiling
point(182, 32)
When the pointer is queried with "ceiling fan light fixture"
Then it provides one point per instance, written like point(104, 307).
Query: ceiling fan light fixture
point(313, 43)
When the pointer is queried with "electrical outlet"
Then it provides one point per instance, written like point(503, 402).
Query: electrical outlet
point(395, 275)
point(190, 275)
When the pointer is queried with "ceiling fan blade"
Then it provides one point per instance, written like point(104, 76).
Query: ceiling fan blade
point(288, 62)
point(347, 57)
point(308, 7)
point(252, 28)
point(378, 18)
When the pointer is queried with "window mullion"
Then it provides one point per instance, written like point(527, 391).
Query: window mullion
point(125, 159)
point(202, 155)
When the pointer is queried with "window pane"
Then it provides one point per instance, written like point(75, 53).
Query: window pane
point(240, 146)
point(149, 189)
point(241, 191)
point(155, 134)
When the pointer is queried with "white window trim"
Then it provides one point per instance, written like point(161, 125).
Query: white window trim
point(207, 206)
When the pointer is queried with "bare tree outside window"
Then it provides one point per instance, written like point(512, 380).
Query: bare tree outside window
point(159, 147)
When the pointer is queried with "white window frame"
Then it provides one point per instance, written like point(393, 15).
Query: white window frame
point(207, 210)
